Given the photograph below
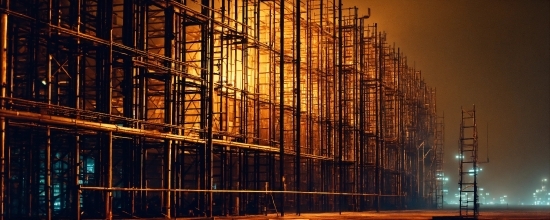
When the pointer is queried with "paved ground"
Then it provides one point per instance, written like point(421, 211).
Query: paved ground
point(515, 213)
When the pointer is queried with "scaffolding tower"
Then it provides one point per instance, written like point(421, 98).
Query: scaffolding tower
point(439, 188)
point(178, 108)
point(468, 169)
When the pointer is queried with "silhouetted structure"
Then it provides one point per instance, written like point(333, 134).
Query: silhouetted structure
point(144, 108)
point(468, 169)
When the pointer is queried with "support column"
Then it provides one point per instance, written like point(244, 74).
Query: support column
point(167, 177)
point(340, 112)
point(129, 149)
point(75, 65)
point(298, 108)
point(48, 176)
point(378, 91)
point(362, 113)
point(104, 101)
point(3, 94)
point(209, 143)
point(76, 173)
point(48, 153)
point(203, 149)
point(108, 169)
point(281, 106)
point(168, 107)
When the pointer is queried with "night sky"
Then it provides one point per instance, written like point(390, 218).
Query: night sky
point(494, 54)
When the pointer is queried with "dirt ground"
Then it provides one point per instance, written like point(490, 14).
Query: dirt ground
point(530, 213)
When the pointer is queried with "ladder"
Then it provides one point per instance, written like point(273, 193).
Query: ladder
point(468, 169)
point(269, 201)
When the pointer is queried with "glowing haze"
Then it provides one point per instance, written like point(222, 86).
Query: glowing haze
point(494, 54)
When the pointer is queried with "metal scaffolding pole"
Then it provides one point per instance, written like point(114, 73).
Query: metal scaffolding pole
point(298, 125)
point(281, 106)
point(3, 84)
point(340, 132)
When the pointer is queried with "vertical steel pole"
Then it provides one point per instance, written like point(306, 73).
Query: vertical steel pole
point(340, 91)
point(109, 175)
point(3, 84)
point(48, 180)
point(129, 111)
point(167, 150)
point(107, 89)
point(203, 181)
point(361, 112)
point(476, 207)
point(378, 90)
point(141, 108)
point(47, 162)
point(75, 65)
point(281, 106)
point(167, 177)
point(76, 173)
point(168, 49)
point(109, 156)
point(298, 106)
point(210, 146)
point(401, 153)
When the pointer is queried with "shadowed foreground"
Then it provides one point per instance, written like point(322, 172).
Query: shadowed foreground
point(485, 213)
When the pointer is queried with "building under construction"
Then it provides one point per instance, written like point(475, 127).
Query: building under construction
point(174, 108)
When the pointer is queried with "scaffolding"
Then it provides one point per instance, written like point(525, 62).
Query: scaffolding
point(468, 169)
point(165, 108)
point(440, 180)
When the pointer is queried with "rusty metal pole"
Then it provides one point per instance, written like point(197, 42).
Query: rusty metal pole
point(168, 107)
point(3, 80)
point(210, 122)
point(76, 63)
point(281, 106)
point(298, 107)
point(106, 107)
point(340, 112)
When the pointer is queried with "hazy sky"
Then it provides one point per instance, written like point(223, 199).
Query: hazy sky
point(494, 54)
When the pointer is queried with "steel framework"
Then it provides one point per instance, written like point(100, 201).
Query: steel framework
point(150, 108)
point(468, 161)
point(439, 184)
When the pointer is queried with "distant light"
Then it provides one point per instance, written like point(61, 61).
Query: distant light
point(44, 81)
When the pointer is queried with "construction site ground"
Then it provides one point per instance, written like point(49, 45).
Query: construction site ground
point(521, 212)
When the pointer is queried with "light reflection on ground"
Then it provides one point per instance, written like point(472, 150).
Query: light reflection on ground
point(523, 212)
